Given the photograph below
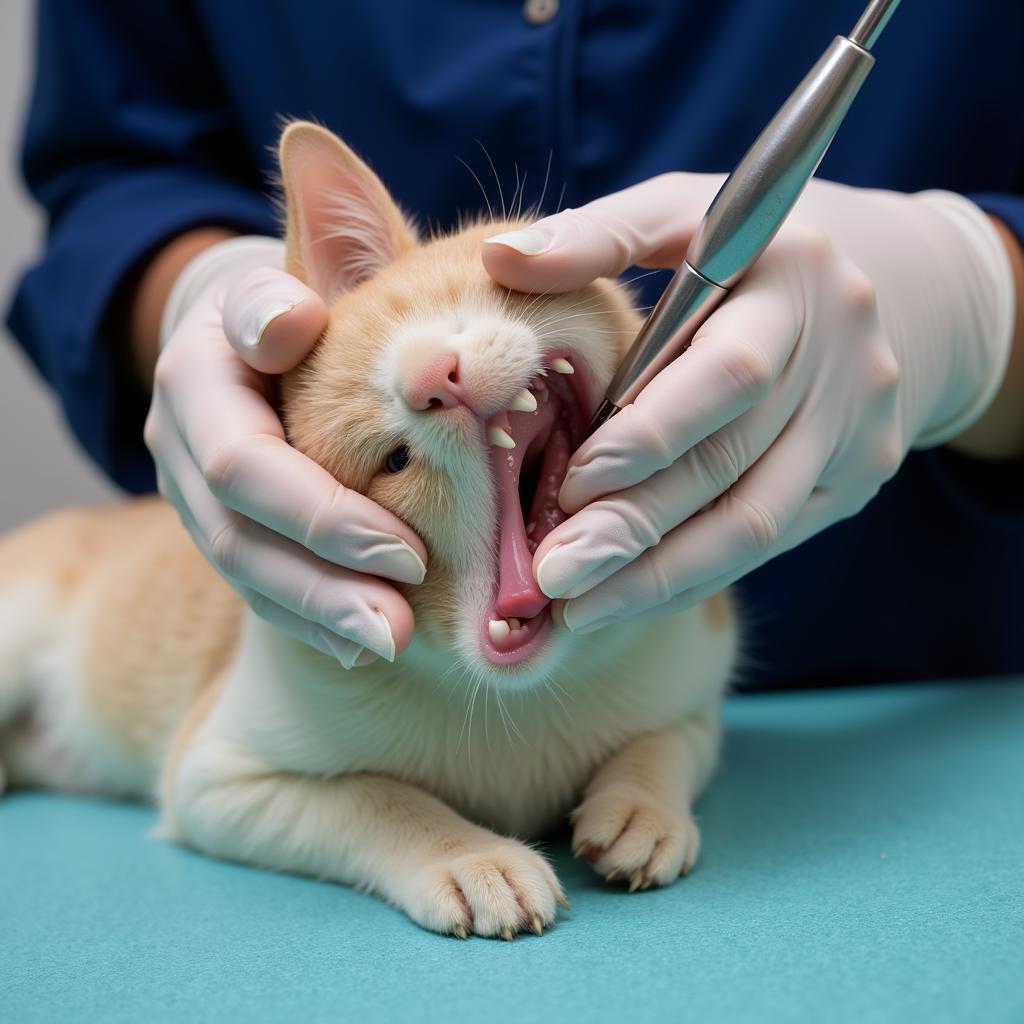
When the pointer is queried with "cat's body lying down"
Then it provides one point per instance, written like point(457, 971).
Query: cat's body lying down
point(127, 666)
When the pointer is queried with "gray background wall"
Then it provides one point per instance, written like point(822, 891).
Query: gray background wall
point(41, 467)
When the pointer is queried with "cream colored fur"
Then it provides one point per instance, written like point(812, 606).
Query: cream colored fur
point(127, 666)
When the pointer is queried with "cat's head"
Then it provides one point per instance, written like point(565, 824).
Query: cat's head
point(447, 399)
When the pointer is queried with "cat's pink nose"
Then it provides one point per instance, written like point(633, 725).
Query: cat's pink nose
point(431, 381)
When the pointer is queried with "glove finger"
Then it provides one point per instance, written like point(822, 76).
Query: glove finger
point(345, 652)
point(237, 443)
point(356, 607)
point(815, 516)
point(740, 531)
point(360, 608)
point(612, 531)
point(270, 482)
point(273, 320)
point(734, 362)
point(649, 225)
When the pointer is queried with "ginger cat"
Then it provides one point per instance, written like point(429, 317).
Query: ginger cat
point(129, 667)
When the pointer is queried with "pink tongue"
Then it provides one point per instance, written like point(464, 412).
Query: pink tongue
point(518, 594)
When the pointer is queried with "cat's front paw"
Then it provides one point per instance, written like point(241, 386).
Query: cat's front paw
point(628, 833)
point(496, 889)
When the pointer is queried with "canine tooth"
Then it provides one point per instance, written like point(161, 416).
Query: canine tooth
point(513, 623)
point(500, 438)
point(524, 401)
point(562, 366)
point(498, 630)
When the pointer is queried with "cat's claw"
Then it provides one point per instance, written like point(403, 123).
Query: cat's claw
point(627, 832)
point(497, 891)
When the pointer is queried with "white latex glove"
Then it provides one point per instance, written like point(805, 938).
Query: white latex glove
point(298, 546)
point(875, 322)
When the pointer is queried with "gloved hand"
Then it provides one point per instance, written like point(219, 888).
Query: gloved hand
point(873, 323)
point(303, 551)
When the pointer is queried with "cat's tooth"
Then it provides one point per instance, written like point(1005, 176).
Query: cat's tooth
point(498, 630)
point(500, 438)
point(524, 401)
point(562, 366)
point(513, 623)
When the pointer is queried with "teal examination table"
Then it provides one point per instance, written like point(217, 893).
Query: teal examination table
point(863, 861)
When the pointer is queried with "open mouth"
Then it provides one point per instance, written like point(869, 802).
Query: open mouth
point(530, 448)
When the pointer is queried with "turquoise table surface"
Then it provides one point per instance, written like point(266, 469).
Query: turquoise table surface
point(863, 861)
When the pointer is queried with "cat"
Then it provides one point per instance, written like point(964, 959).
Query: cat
point(129, 667)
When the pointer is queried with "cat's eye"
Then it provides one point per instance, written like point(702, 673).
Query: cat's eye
point(397, 460)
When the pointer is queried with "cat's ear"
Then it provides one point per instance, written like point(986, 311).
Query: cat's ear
point(343, 226)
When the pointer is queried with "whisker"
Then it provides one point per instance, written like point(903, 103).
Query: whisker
point(549, 688)
point(494, 171)
point(506, 719)
point(441, 679)
point(537, 298)
point(487, 717)
point(487, 200)
point(556, 318)
point(522, 195)
point(547, 175)
point(561, 197)
point(470, 707)
point(515, 193)
point(591, 300)
point(590, 304)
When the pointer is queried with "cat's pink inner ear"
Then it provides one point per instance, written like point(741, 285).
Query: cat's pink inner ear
point(343, 227)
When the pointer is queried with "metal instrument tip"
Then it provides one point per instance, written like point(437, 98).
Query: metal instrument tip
point(605, 412)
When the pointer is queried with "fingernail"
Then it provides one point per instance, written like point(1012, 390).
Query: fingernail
point(530, 241)
point(347, 653)
point(562, 568)
point(572, 473)
point(276, 300)
point(565, 495)
point(580, 624)
point(550, 577)
point(381, 639)
point(404, 562)
point(252, 342)
point(579, 485)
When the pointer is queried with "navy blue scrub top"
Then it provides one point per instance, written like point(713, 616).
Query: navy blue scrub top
point(148, 119)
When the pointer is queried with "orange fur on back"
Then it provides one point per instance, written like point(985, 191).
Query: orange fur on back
point(156, 622)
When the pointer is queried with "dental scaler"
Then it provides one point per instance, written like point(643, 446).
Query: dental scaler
point(750, 207)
